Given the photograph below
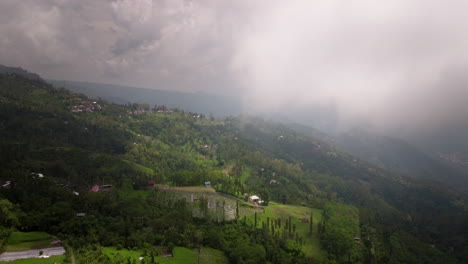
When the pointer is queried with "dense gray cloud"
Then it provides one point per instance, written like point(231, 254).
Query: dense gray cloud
point(397, 64)
point(172, 44)
point(391, 62)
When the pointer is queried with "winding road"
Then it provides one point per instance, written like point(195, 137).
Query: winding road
point(34, 253)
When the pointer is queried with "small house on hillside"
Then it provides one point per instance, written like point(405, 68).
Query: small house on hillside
point(95, 188)
point(101, 188)
point(5, 183)
point(37, 175)
point(254, 199)
point(207, 184)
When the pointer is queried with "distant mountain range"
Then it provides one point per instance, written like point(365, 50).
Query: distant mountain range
point(218, 105)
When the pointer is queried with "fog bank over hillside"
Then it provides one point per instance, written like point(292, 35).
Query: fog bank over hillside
point(397, 65)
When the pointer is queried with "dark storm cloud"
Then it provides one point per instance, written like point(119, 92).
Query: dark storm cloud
point(172, 44)
point(397, 64)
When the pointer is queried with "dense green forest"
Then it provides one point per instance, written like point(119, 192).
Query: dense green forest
point(56, 144)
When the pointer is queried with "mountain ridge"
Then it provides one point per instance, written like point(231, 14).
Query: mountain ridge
point(196, 102)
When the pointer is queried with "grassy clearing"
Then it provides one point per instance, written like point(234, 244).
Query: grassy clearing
point(28, 240)
point(181, 255)
point(211, 256)
point(29, 245)
point(311, 243)
point(19, 237)
point(52, 259)
point(112, 253)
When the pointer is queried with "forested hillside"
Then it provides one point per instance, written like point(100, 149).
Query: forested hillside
point(398, 155)
point(56, 145)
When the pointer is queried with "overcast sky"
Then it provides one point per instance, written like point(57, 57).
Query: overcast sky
point(400, 64)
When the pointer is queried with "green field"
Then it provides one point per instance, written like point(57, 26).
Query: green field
point(124, 253)
point(51, 260)
point(180, 255)
point(28, 240)
point(211, 256)
point(311, 243)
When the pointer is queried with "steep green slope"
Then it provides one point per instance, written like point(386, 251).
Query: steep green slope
point(397, 155)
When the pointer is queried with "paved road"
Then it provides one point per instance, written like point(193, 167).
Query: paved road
point(7, 256)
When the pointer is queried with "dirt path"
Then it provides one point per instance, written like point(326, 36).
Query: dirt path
point(72, 256)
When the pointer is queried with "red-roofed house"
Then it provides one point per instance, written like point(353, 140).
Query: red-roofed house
point(95, 188)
